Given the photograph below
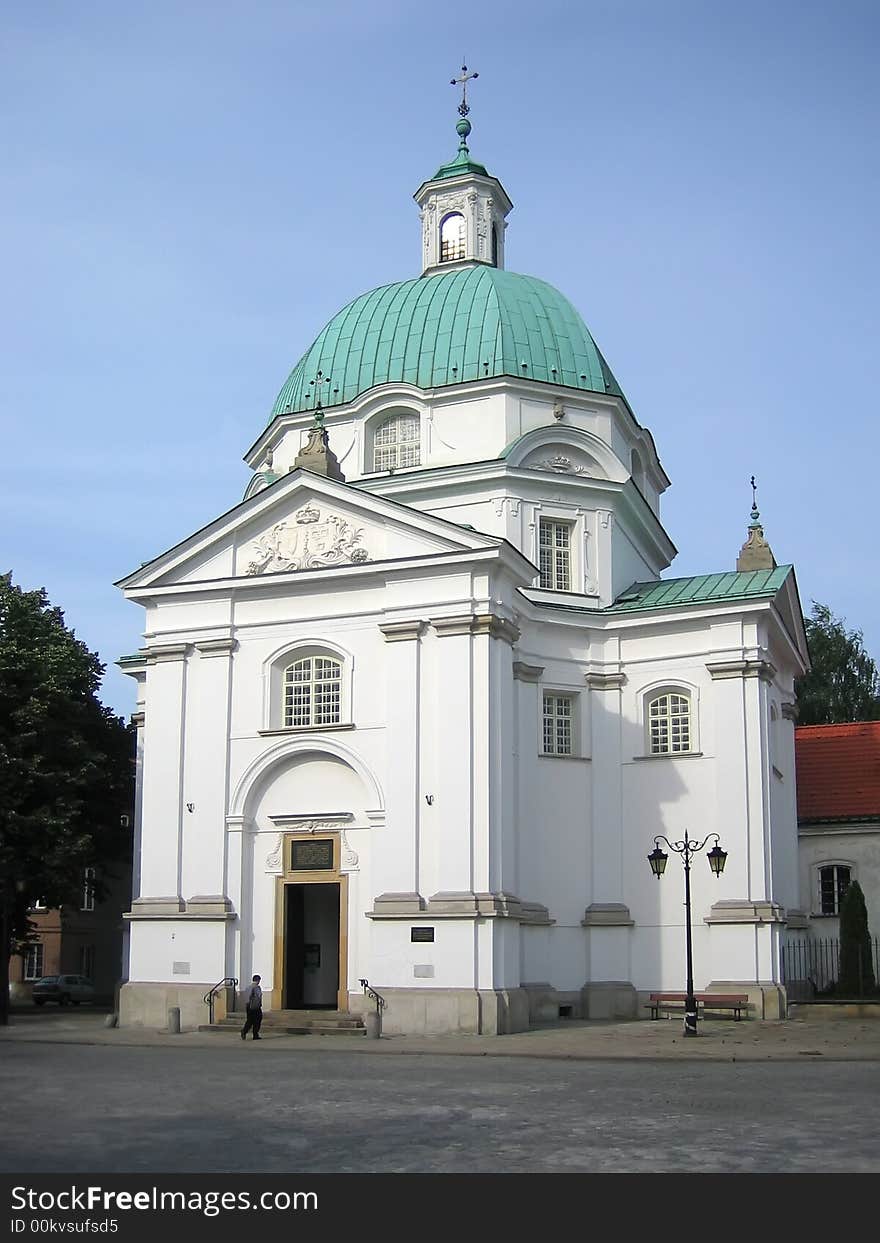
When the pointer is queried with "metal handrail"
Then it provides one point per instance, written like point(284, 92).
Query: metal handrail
point(380, 1001)
point(208, 999)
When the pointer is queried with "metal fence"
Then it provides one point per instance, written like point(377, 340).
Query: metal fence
point(810, 967)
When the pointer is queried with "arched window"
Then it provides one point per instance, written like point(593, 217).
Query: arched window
point(669, 723)
point(312, 692)
point(494, 245)
point(834, 880)
point(452, 245)
point(396, 442)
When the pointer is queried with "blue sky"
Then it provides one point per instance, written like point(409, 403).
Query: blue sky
point(191, 189)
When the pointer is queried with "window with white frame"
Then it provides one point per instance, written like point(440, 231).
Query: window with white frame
point(33, 962)
point(670, 725)
point(313, 692)
point(558, 724)
point(554, 554)
point(88, 898)
point(834, 880)
point(87, 961)
point(397, 442)
point(452, 237)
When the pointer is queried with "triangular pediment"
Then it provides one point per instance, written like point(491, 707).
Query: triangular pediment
point(301, 523)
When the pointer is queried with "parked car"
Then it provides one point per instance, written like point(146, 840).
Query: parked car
point(63, 989)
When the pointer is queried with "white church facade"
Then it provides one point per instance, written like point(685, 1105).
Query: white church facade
point(413, 711)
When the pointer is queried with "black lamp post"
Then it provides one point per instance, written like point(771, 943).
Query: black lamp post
point(717, 859)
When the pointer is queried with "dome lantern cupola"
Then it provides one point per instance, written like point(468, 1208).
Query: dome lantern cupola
point(463, 207)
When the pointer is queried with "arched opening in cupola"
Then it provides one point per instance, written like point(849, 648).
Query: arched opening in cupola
point(452, 237)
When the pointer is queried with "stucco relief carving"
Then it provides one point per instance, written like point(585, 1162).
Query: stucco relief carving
point(350, 858)
point(273, 858)
point(562, 465)
point(308, 542)
point(450, 202)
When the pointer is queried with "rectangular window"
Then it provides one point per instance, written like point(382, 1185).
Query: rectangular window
point(88, 899)
point(87, 961)
point(834, 881)
point(558, 717)
point(554, 554)
point(33, 962)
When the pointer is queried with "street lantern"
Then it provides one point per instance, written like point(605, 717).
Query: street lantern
point(717, 859)
point(658, 859)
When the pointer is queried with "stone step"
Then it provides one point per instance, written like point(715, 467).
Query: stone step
point(296, 1022)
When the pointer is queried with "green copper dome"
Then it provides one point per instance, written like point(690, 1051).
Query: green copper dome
point(448, 328)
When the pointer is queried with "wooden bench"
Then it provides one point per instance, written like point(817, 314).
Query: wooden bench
point(737, 1002)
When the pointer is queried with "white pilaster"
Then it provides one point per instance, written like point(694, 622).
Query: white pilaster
point(396, 849)
point(163, 772)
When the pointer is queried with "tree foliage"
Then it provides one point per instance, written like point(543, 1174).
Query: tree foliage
point(843, 684)
point(66, 773)
point(856, 976)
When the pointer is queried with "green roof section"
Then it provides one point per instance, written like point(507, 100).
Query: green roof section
point(462, 162)
point(737, 585)
point(470, 323)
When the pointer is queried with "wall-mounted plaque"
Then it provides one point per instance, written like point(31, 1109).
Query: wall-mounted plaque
point(311, 856)
point(421, 934)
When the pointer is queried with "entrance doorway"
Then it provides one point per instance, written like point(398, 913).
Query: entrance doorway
point(311, 941)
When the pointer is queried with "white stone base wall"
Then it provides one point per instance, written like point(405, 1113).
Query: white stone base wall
point(147, 1005)
point(448, 1011)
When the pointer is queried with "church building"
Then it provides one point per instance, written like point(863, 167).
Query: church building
point(412, 713)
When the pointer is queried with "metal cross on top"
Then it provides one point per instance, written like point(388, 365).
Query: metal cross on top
point(755, 501)
point(462, 81)
point(318, 384)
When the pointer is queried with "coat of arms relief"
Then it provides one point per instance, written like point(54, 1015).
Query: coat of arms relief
point(307, 543)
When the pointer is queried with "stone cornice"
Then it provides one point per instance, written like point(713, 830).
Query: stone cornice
point(721, 670)
point(158, 653)
point(402, 631)
point(743, 911)
point(607, 915)
point(477, 624)
point(215, 647)
point(605, 681)
point(527, 673)
point(463, 905)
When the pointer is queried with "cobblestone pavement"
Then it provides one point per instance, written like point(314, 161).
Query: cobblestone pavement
point(577, 1097)
point(103, 1108)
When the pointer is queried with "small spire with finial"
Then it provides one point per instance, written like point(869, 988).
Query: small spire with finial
point(756, 553)
point(463, 128)
point(318, 385)
point(317, 456)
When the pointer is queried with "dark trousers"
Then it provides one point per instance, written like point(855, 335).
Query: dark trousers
point(254, 1020)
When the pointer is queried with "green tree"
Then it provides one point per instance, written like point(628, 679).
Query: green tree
point(66, 772)
point(843, 684)
point(856, 976)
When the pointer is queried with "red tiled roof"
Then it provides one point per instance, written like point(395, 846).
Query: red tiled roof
point(838, 771)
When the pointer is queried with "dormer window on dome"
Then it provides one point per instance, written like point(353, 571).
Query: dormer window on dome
point(396, 442)
point(452, 237)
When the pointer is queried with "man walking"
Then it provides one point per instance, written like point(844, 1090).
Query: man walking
point(254, 1009)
